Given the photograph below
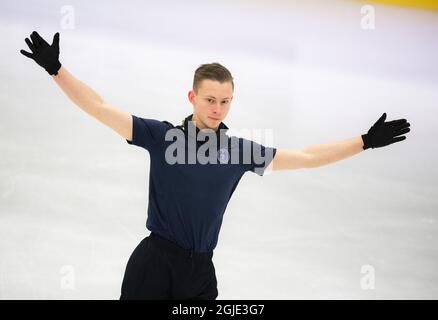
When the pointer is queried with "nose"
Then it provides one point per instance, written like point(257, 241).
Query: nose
point(216, 108)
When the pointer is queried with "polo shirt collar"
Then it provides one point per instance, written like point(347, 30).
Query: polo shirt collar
point(187, 122)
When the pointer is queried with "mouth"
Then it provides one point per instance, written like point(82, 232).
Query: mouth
point(214, 118)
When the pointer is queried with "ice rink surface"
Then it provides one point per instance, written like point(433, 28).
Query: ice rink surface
point(73, 194)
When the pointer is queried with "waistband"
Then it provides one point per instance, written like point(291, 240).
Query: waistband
point(177, 249)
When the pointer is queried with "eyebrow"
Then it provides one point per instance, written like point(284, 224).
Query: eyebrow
point(215, 98)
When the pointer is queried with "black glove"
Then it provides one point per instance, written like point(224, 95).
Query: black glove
point(384, 133)
point(47, 56)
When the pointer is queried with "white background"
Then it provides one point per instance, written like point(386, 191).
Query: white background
point(73, 194)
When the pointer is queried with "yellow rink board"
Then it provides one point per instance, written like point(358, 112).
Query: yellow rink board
point(422, 4)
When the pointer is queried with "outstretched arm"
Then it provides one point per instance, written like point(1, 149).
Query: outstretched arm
point(317, 155)
point(89, 101)
point(47, 56)
point(380, 134)
point(323, 154)
point(78, 92)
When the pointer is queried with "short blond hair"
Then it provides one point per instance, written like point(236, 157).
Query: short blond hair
point(211, 71)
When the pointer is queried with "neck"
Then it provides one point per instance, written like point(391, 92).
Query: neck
point(200, 125)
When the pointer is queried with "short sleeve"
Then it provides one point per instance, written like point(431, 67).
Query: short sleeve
point(146, 133)
point(256, 157)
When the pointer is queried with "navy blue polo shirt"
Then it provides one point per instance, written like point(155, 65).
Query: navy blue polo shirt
point(187, 195)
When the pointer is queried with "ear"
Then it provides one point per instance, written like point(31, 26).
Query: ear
point(191, 96)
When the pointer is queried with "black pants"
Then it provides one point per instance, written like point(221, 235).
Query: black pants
point(160, 269)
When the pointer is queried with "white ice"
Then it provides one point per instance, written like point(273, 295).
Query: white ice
point(73, 194)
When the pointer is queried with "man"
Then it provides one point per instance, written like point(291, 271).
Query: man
point(195, 168)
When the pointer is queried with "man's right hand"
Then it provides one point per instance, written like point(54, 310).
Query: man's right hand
point(47, 56)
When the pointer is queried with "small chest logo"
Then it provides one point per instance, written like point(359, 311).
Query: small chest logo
point(223, 155)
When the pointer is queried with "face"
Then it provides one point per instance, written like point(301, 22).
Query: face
point(211, 104)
